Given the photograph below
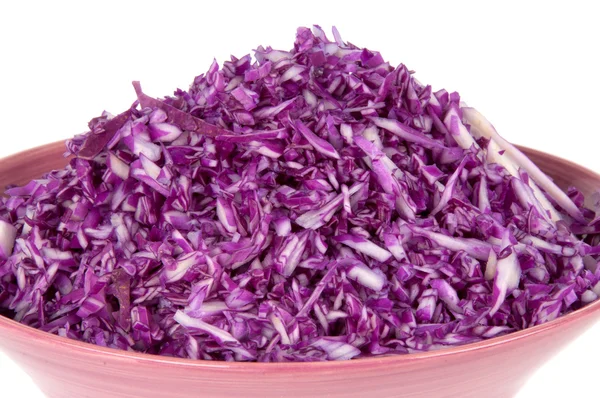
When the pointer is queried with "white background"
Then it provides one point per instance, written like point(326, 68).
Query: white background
point(532, 69)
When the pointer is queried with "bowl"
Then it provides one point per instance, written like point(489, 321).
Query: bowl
point(64, 368)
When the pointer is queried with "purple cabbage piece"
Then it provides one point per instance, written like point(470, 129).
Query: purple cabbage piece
point(8, 234)
point(305, 205)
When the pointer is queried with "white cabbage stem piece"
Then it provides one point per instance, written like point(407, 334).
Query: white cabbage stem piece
point(513, 160)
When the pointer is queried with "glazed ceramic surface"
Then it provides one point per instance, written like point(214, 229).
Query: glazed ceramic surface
point(63, 368)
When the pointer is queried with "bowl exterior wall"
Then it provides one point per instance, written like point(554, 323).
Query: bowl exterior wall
point(498, 370)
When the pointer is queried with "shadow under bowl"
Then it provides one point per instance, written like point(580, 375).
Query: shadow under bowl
point(499, 367)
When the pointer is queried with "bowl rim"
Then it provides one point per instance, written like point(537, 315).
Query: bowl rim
point(9, 326)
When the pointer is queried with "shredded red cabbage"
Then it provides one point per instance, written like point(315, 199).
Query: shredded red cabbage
point(304, 205)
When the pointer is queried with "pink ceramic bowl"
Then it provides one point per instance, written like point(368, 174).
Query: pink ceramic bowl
point(63, 368)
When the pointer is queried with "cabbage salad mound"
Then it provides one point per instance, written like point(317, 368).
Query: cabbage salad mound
point(304, 205)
